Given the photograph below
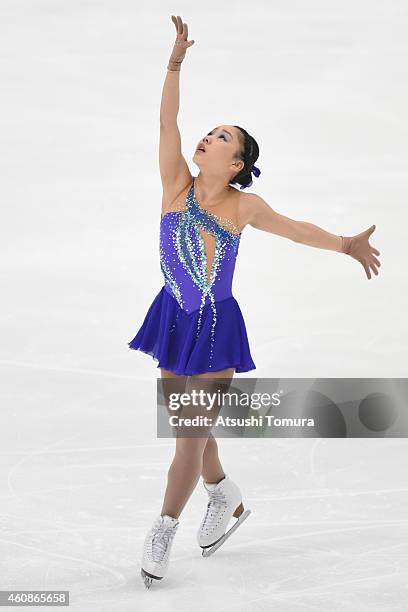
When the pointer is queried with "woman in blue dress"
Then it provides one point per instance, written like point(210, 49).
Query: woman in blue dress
point(194, 327)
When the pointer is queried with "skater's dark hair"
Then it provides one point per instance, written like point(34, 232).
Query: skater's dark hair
point(249, 153)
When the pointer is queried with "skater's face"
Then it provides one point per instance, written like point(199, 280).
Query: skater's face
point(222, 150)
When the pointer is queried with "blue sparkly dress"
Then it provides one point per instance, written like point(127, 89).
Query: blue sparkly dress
point(194, 324)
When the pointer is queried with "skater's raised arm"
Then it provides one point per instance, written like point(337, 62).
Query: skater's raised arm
point(172, 163)
point(263, 217)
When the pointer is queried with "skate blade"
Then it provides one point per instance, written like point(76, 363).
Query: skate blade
point(148, 578)
point(212, 548)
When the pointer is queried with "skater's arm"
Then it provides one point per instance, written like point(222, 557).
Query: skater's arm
point(173, 166)
point(170, 100)
point(261, 216)
point(171, 160)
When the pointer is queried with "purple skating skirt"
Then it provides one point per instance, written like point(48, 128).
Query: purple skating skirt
point(168, 334)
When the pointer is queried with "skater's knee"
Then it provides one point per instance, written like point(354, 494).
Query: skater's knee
point(211, 445)
point(190, 448)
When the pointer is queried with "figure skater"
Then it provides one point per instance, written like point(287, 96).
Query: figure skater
point(194, 327)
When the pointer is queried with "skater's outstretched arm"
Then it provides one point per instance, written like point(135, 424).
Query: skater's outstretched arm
point(174, 170)
point(263, 217)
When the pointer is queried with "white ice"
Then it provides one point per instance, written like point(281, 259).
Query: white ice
point(323, 88)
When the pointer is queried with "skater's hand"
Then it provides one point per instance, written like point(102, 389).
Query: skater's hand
point(360, 249)
point(180, 45)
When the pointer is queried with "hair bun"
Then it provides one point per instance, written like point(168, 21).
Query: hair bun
point(248, 153)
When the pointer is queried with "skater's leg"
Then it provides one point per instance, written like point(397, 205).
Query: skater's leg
point(225, 499)
point(187, 464)
point(183, 474)
point(171, 384)
point(212, 471)
point(159, 539)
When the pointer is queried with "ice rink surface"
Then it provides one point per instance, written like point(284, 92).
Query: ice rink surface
point(322, 86)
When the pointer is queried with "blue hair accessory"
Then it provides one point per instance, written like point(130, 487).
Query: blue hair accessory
point(256, 171)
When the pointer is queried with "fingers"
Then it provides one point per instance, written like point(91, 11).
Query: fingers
point(371, 263)
point(174, 20)
point(182, 31)
point(367, 270)
point(375, 251)
point(185, 36)
point(177, 22)
point(366, 233)
point(181, 28)
point(374, 269)
point(367, 267)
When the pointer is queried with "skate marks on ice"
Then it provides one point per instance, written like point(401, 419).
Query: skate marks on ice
point(354, 592)
point(346, 538)
point(58, 528)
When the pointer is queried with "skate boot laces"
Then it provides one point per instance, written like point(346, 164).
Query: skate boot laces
point(160, 537)
point(214, 509)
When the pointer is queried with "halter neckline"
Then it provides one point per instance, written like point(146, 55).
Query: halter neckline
point(211, 214)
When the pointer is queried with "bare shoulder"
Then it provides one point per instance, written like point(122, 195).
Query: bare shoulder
point(175, 190)
point(248, 206)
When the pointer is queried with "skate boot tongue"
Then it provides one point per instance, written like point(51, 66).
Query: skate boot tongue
point(168, 520)
point(210, 486)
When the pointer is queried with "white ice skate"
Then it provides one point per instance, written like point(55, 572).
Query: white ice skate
point(225, 501)
point(157, 547)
